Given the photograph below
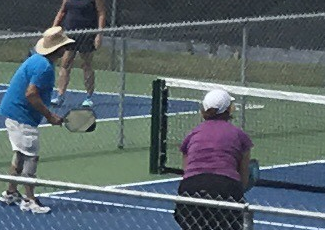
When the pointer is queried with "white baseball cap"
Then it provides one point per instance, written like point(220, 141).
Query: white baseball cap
point(217, 99)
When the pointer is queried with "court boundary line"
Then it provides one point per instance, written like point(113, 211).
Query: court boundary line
point(169, 114)
point(116, 118)
point(293, 164)
point(169, 211)
point(248, 106)
point(286, 225)
point(125, 118)
point(179, 178)
point(150, 182)
point(96, 92)
point(117, 94)
point(108, 203)
point(168, 180)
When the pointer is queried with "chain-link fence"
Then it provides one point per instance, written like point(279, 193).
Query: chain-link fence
point(154, 11)
point(139, 207)
point(16, 15)
point(269, 53)
point(201, 51)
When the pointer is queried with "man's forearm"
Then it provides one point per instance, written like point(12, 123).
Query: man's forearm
point(38, 104)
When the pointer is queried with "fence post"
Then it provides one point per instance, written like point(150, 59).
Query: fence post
point(248, 218)
point(122, 93)
point(243, 76)
point(113, 24)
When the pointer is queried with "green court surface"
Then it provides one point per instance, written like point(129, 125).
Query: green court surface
point(92, 158)
point(282, 132)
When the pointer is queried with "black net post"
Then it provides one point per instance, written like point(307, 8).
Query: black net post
point(156, 117)
point(163, 127)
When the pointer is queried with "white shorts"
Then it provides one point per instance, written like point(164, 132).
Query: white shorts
point(23, 138)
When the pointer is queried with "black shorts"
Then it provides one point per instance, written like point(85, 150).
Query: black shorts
point(209, 186)
point(84, 43)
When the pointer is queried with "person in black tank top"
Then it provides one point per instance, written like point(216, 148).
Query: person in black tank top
point(78, 15)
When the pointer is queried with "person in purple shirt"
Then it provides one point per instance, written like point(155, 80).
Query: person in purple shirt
point(216, 157)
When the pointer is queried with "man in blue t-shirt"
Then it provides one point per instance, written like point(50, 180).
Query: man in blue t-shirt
point(24, 105)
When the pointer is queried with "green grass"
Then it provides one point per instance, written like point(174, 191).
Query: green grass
point(185, 65)
point(95, 159)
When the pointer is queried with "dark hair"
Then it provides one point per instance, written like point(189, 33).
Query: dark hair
point(211, 114)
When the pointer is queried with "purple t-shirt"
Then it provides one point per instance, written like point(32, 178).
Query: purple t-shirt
point(215, 146)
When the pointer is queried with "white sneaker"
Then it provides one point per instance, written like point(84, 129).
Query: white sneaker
point(87, 103)
point(11, 198)
point(58, 101)
point(34, 205)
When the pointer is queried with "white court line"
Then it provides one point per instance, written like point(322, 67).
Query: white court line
point(105, 203)
point(248, 106)
point(169, 114)
point(178, 178)
point(132, 117)
point(117, 94)
point(52, 195)
point(116, 118)
point(125, 118)
point(161, 210)
point(135, 117)
point(284, 225)
point(118, 186)
point(293, 164)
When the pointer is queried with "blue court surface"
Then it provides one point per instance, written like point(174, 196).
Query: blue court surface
point(85, 210)
point(106, 105)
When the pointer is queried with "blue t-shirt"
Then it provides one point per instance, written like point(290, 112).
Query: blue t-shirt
point(36, 70)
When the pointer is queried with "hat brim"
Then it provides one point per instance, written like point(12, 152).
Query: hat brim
point(39, 48)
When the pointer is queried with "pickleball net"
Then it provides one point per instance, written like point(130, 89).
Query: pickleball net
point(287, 128)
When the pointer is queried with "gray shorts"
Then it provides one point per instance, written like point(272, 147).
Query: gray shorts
point(25, 165)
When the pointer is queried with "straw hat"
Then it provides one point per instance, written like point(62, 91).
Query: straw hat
point(53, 39)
